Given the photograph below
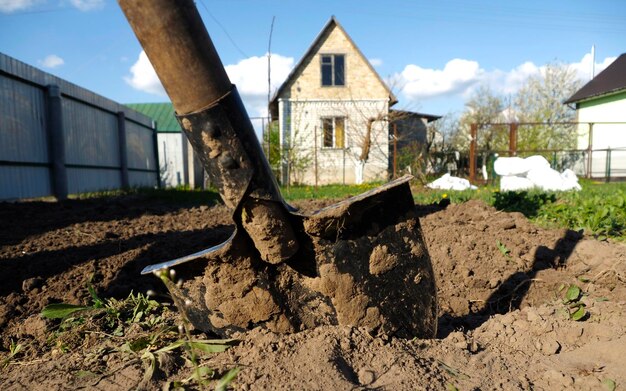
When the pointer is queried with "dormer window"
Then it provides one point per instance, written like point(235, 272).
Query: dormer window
point(333, 70)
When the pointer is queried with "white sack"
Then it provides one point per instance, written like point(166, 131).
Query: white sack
point(518, 166)
point(448, 182)
point(515, 183)
point(510, 166)
point(533, 172)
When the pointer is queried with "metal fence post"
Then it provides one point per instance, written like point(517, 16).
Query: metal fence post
point(472, 157)
point(513, 139)
point(608, 165)
point(123, 149)
point(58, 171)
point(155, 138)
point(590, 151)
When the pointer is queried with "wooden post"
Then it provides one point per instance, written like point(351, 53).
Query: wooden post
point(513, 139)
point(58, 172)
point(472, 157)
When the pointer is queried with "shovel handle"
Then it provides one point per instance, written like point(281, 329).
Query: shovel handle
point(179, 47)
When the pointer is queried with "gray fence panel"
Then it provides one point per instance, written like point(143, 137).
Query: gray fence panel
point(89, 180)
point(140, 144)
point(24, 182)
point(23, 114)
point(141, 179)
point(90, 135)
point(90, 154)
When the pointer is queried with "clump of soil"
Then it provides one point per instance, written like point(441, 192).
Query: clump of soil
point(500, 279)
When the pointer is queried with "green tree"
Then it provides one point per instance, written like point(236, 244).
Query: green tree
point(271, 146)
point(540, 100)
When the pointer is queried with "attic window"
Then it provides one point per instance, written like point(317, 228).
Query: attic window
point(333, 70)
point(333, 132)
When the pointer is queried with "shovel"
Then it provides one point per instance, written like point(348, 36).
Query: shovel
point(361, 262)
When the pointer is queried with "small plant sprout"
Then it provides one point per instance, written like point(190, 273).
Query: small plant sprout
point(14, 350)
point(575, 307)
point(503, 249)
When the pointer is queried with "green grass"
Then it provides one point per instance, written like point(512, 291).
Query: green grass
point(325, 192)
point(599, 208)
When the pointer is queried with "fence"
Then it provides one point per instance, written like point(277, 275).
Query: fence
point(57, 138)
point(601, 152)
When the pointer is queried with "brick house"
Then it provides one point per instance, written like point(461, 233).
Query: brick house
point(332, 114)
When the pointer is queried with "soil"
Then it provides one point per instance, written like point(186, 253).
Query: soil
point(501, 283)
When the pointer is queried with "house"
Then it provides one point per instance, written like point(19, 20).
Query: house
point(332, 114)
point(601, 113)
point(411, 138)
point(178, 164)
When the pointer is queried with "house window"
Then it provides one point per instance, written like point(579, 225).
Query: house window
point(333, 70)
point(334, 132)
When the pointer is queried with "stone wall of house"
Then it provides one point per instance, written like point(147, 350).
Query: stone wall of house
point(361, 80)
point(312, 163)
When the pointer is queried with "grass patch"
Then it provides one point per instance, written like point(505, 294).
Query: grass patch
point(326, 192)
point(599, 208)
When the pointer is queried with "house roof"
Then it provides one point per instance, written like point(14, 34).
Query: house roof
point(161, 113)
point(404, 113)
point(610, 80)
point(332, 22)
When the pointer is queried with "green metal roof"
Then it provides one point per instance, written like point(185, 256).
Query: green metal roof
point(161, 113)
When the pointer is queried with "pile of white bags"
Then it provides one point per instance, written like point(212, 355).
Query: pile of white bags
point(533, 172)
point(449, 182)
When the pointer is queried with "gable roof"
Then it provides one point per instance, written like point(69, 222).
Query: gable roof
point(161, 113)
point(414, 114)
point(610, 80)
point(332, 22)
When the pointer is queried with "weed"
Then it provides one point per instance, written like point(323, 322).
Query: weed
point(193, 347)
point(14, 350)
point(115, 314)
point(609, 384)
point(503, 249)
point(573, 304)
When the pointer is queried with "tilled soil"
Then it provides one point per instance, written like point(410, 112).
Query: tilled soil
point(500, 279)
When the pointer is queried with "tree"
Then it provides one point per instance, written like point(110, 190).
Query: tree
point(540, 100)
point(483, 108)
point(271, 146)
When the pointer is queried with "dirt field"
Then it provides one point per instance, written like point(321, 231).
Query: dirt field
point(501, 281)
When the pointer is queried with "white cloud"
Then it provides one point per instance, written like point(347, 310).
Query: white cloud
point(143, 77)
point(584, 69)
point(250, 76)
point(460, 77)
point(376, 62)
point(51, 61)
point(456, 76)
point(88, 5)
point(8, 6)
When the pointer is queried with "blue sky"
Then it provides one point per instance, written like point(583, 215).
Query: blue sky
point(433, 53)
